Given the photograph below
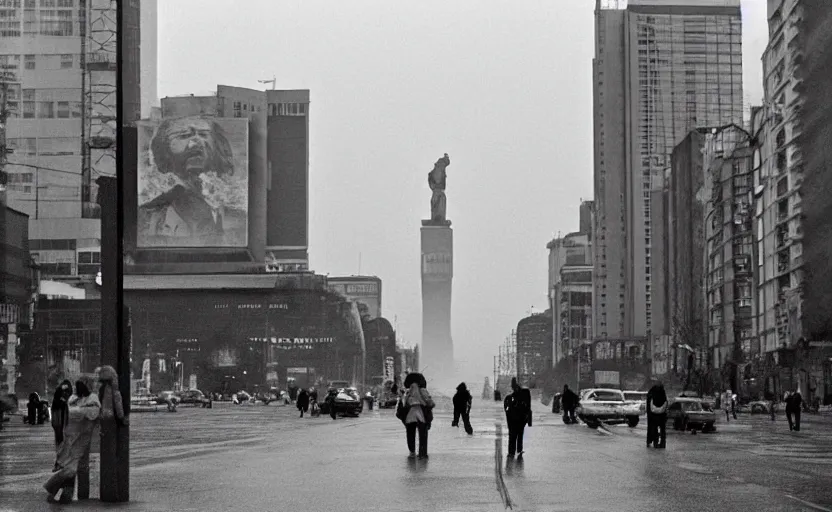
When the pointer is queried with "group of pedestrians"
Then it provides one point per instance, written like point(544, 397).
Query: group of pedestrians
point(415, 410)
point(75, 415)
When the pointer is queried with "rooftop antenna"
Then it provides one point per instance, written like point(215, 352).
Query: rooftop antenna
point(273, 81)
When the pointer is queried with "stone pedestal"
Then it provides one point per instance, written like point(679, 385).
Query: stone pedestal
point(437, 351)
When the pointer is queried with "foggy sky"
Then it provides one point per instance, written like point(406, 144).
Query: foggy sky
point(504, 87)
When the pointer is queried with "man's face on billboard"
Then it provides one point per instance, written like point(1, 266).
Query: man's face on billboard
point(190, 141)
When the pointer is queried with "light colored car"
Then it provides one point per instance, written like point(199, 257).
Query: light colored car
point(609, 406)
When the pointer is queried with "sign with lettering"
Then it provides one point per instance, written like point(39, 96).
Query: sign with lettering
point(436, 264)
point(366, 293)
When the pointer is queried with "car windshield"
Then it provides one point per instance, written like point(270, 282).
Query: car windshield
point(692, 406)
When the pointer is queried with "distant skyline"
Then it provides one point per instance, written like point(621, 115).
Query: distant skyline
point(504, 89)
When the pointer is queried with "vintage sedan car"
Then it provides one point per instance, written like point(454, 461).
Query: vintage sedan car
point(347, 402)
point(687, 413)
point(609, 406)
point(194, 397)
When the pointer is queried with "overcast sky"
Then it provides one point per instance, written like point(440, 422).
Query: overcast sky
point(503, 87)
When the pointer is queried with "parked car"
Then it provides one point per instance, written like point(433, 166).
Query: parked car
point(637, 396)
point(193, 397)
point(609, 406)
point(687, 413)
point(347, 402)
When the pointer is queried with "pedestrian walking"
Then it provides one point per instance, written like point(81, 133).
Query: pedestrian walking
point(74, 452)
point(32, 408)
point(60, 415)
point(734, 402)
point(462, 408)
point(518, 408)
point(727, 401)
point(793, 405)
point(60, 410)
point(569, 400)
point(416, 412)
point(330, 401)
point(657, 416)
point(303, 401)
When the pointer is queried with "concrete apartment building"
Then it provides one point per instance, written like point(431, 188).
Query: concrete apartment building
point(778, 215)
point(729, 287)
point(61, 55)
point(661, 69)
point(570, 288)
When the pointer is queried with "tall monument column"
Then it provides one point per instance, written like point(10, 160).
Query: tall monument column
point(437, 353)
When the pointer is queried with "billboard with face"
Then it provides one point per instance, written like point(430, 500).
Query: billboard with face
point(193, 182)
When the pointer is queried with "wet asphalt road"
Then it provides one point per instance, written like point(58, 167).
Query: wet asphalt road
point(264, 458)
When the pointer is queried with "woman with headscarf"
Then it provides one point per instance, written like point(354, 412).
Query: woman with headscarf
point(656, 416)
point(74, 453)
point(462, 407)
point(112, 418)
point(60, 413)
point(419, 405)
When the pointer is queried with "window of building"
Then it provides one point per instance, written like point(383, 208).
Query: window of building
point(67, 60)
point(55, 22)
point(89, 262)
point(29, 61)
point(46, 109)
point(63, 110)
point(56, 269)
point(20, 182)
point(9, 23)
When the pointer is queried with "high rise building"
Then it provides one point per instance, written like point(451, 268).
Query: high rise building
point(150, 56)
point(60, 58)
point(661, 68)
point(779, 223)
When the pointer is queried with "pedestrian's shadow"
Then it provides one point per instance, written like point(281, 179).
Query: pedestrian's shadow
point(417, 465)
point(514, 467)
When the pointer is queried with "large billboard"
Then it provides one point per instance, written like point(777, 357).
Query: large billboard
point(365, 292)
point(193, 182)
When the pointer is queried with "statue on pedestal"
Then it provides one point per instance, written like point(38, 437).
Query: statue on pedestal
point(436, 181)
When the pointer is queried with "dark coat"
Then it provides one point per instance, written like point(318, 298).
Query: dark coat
point(794, 402)
point(462, 400)
point(569, 399)
point(60, 417)
point(303, 400)
point(518, 406)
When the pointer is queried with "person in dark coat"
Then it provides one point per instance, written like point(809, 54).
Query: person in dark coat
point(462, 407)
point(32, 408)
point(330, 401)
point(569, 400)
point(303, 401)
point(60, 410)
point(793, 405)
point(518, 408)
point(657, 416)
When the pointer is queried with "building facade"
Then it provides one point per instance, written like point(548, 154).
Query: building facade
point(571, 295)
point(534, 348)
point(661, 68)
point(728, 159)
point(60, 58)
point(686, 204)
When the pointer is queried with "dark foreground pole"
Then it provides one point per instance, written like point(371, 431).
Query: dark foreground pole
point(115, 344)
